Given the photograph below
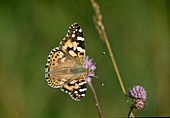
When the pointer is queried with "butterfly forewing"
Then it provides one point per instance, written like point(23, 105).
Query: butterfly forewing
point(73, 44)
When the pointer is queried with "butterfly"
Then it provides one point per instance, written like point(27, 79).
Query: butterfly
point(66, 68)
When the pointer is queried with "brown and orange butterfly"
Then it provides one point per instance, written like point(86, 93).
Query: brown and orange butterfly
point(65, 64)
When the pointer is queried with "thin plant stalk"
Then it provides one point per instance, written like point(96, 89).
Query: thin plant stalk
point(101, 30)
point(96, 100)
point(130, 112)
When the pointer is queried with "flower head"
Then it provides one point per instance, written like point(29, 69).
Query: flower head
point(139, 104)
point(90, 66)
point(138, 94)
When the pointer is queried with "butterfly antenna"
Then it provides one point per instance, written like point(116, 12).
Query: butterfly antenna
point(102, 84)
point(103, 53)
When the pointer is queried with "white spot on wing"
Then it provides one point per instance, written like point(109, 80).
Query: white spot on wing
point(73, 35)
point(83, 95)
point(80, 30)
point(80, 38)
point(81, 50)
point(82, 90)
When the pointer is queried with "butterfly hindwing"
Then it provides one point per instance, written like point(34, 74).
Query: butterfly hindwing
point(76, 88)
point(57, 60)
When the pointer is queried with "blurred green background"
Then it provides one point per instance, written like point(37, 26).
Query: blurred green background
point(139, 34)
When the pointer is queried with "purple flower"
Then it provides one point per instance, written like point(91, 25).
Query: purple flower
point(139, 104)
point(138, 92)
point(91, 67)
